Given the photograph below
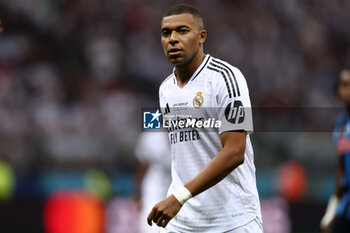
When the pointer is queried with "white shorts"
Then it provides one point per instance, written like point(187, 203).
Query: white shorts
point(252, 226)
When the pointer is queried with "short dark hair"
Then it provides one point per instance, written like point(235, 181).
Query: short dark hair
point(182, 9)
point(337, 80)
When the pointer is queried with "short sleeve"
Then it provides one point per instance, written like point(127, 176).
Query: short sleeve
point(234, 105)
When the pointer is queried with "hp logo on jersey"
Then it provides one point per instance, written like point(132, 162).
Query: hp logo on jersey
point(234, 112)
point(151, 119)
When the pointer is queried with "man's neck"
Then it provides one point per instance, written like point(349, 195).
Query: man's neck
point(185, 72)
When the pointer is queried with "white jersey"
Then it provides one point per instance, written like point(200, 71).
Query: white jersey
point(216, 91)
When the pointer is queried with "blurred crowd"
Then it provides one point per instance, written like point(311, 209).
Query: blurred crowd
point(75, 74)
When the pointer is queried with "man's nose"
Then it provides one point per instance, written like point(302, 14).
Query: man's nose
point(173, 38)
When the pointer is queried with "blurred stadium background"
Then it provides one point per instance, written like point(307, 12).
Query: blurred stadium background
point(75, 74)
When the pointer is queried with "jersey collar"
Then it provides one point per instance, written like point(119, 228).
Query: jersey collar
point(201, 67)
point(198, 71)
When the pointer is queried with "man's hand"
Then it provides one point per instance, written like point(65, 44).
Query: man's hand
point(327, 229)
point(164, 211)
point(328, 217)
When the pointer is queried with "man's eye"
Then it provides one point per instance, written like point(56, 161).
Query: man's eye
point(165, 33)
point(183, 31)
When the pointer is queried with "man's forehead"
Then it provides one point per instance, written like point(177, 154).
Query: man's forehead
point(178, 19)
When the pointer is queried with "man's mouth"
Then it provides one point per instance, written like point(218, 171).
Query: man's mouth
point(174, 52)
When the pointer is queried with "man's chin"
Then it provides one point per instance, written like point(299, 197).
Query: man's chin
point(176, 60)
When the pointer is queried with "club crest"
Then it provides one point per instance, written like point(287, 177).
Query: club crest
point(198, 100)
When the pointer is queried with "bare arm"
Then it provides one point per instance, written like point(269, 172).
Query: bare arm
point(230, 157)
point(327, 219)
point(339, 176)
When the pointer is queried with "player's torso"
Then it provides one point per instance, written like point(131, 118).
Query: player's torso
point(198, 93)
point(190, 116)
point(196, 100)
point(342, 145)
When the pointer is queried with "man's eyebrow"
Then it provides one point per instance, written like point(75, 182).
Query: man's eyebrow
point(182, 26)
point(165, 29)
point(178, 27)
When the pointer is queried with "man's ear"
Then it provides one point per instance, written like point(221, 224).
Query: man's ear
point(203, 36)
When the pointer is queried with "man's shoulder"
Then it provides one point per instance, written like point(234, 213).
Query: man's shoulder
point(227, 77)
point(168, 80)
point(341, 121)
point(218, 65)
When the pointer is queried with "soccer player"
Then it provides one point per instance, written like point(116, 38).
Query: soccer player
point(213, 186)
point(153, 176)
point(337, 216)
